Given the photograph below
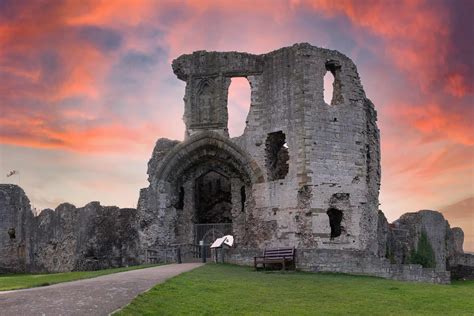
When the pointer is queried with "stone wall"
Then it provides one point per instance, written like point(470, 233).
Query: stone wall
point(461, 266)
point(15, 217)
point(351, 262)
point(459, 263)
point(87, 238)
point(399, 239)
point(360, 262)
point(95, 237)
point(68, 238)
point(434, 225)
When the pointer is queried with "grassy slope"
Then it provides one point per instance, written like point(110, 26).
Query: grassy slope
point(23, 281)
point(226, 289)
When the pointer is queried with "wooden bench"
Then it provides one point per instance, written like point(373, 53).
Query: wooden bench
point(283, 256)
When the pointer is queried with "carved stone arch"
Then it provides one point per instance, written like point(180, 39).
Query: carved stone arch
point(205, 106)
point(205, 84)
point(204, 146)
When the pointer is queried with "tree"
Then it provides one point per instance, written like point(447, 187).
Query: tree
point(424, 253)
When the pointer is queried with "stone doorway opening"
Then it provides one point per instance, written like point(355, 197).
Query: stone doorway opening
point(213, 199)
point(213, 207)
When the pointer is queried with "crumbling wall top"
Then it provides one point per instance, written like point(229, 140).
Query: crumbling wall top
point(209, 64)
point(240, 64)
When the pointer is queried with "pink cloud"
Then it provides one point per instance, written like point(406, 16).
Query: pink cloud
point(434, 122)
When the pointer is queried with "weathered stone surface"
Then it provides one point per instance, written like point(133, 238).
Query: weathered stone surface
point(297, 153)
point(383, 237)
point(462, 266)
point(66, 239)
point(91, 237)
point(459, 263)
point(435, 227)
point(397, 240)
point(15, 215)
point(455, 241)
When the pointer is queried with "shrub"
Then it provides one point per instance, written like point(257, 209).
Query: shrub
point(424, 253)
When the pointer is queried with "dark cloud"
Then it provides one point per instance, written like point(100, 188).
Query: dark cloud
point(138, 60)
point(128, 82)
point(129, 72)
point(461, 47)
point(103, 39)
point(52, 69)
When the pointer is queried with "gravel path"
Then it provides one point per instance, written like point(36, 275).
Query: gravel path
point(98, 296)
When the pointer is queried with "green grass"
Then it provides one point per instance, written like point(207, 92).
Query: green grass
point(233, 290)
point(23, 281)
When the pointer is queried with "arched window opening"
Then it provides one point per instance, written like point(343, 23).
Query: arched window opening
point(328, 87)
point(332, 83)
point(238, 105)
point(335, 219)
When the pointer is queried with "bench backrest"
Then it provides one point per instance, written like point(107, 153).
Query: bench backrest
point(279, 252)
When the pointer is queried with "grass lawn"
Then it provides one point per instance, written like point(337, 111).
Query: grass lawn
point(233, 290)
point(23, 281)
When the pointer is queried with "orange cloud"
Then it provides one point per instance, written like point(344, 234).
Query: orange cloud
point(30, 37)
point(457, 85)
point(434, 122)
point(112, 137)
point(441, 163)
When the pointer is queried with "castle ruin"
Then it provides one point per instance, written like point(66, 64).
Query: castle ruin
point(304, 173)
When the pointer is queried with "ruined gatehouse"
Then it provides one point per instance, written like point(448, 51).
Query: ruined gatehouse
point(304, 173)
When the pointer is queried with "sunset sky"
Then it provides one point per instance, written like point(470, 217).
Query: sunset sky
point(86, 88)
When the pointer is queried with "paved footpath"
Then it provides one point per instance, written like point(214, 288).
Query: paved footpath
point(97, 296)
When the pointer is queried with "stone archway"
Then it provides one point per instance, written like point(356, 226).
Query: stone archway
point(207, 177)
point(204, 145)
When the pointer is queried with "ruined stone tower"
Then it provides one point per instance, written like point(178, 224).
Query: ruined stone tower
point(304, 173)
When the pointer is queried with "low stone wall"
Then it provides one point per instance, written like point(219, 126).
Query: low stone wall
point(352, 262)
point(462, 266)
point(66, 239)
point(88, 238)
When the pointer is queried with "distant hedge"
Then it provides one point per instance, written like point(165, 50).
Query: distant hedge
point(424, 253)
